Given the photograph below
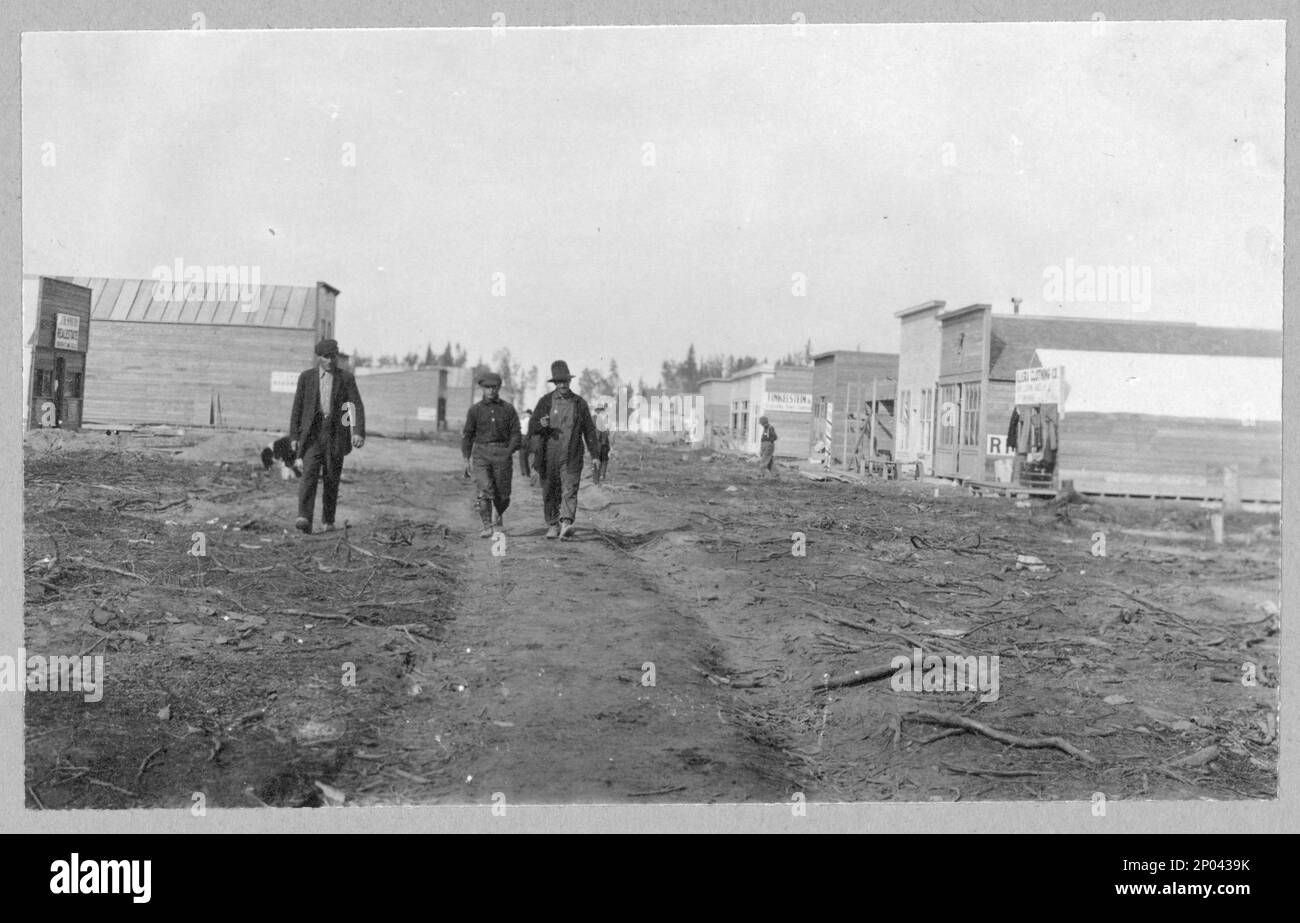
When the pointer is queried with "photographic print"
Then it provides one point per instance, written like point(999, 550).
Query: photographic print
point(752, 414)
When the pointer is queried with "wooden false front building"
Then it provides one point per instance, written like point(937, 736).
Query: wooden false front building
point(56, 337)
point(203, 355)
point(1144, 408)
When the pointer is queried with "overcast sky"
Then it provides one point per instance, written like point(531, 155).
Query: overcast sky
point(640, 189)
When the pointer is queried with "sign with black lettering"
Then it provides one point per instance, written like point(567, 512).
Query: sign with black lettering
point(67, 331)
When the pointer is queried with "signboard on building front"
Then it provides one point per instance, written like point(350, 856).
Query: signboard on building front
point(426, 413)
point(997, 445)
point(67, 331)
point(284, 382)
point(1039, 386)
point(787, 402)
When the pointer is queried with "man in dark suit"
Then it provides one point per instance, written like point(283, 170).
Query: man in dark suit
point(328, 422)
point(559, 426)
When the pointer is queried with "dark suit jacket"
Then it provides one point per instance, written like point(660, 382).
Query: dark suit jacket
point(306, 417)
point(584, 429)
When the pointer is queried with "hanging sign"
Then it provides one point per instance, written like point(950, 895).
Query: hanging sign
point(1039, 386)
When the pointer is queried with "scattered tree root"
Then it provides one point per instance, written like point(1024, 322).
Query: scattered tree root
point(996, 773)
point(1001, 736)
point(90, 565)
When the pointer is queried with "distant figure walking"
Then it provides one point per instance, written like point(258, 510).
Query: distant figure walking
point(767, 449)
point(524, 465)
point(603, 444)
point(560, 424)
point(328, 421)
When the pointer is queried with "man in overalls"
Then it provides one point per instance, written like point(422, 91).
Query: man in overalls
point(560, 424)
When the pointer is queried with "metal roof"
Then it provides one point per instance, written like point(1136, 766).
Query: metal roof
point(286, 306)
point(1015, 337)
point(1245, 388)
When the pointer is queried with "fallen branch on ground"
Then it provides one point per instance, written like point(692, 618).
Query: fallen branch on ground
point(999, 773)
point(857, 677)
point(90, 565)
point(1001, 736)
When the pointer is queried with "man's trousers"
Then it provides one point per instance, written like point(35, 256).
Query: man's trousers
point(317, 460)
point(493, 474)
point(560, 490)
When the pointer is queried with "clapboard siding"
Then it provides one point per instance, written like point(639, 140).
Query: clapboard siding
point(1142, 454)
point(838, 373)
point(147, 372)
point(962, 353)
point(58, 297)
point(918, 369)
point(999, 399)
point(393, 402)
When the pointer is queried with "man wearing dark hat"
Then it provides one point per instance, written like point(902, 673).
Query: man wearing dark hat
point(560, 424)
point(490, 438)
point(328, 421)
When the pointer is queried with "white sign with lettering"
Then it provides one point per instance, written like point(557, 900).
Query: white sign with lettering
point(998, 445)
point(426, 413)
point(67, 331)
point(284, 382)
point(1039, 386)
point(787, 402)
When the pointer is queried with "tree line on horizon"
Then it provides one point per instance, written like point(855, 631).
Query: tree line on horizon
point(675, 377)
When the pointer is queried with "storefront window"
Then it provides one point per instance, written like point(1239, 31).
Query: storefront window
point(949, 415)
point(927, 417)
point(970, 415)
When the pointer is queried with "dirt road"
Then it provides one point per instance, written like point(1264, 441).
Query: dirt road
point(687, 645)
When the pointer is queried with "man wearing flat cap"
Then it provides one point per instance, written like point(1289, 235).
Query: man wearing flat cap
point(489, 441)
point(560, 424)
point(328, 421)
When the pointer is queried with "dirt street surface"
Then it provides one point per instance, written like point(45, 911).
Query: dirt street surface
point(696, 641)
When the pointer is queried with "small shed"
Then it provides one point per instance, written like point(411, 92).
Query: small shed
point(844, 384)
point(416, 401)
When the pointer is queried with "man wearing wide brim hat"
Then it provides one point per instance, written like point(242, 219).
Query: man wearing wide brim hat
point(327, 422)
point(560, 424)
point(490, 438)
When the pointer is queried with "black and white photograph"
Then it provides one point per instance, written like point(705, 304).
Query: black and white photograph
point(787, 414)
